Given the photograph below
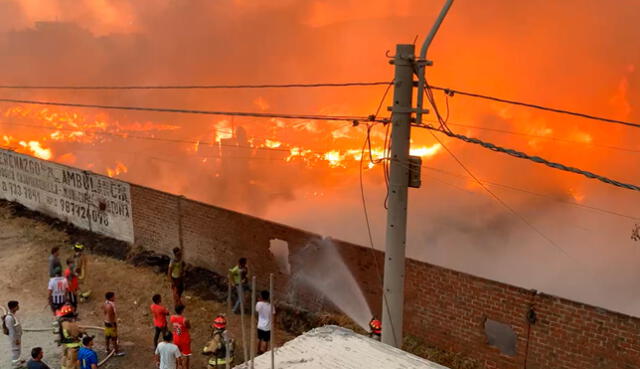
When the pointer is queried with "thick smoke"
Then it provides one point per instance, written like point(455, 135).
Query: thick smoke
point(578, 54)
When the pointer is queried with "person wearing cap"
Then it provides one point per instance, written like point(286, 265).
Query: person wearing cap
point(70, 334)
point(376, 328)
point(80, 263)
point(87, 357)
point(36, 359)
point(220, 346)
point(58, 289)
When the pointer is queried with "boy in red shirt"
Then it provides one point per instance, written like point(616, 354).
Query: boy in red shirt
point(160, 314)
point(181, 336)
point(74, 283)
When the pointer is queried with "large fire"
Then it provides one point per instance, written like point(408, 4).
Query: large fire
point(74, 127)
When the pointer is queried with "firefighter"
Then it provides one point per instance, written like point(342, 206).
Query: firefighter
point(376, 329)
point(221, 346)
point(70, 336)
point(80, 262)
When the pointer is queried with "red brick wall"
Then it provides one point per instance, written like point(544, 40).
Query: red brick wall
point(445, 308)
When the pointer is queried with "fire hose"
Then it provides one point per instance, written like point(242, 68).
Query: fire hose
point(48, 329)
point(107, 358)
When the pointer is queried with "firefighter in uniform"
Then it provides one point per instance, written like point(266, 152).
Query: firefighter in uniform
point(70, 336)
point(376, 329)
point(220, 346)
point(80, 262)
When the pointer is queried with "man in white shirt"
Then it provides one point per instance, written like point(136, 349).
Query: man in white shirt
point(167, 354)
point(58, 288)
point(265, 317)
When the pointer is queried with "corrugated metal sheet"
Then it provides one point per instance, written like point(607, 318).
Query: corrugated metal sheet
point(332, 347)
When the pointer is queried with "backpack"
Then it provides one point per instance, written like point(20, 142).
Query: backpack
point(5, 329)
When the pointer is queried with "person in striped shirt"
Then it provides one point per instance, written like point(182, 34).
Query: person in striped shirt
point(58, 289)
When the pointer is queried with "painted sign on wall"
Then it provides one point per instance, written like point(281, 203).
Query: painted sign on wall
point(87, 200)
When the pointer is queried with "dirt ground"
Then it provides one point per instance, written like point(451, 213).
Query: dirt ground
point(24, 249)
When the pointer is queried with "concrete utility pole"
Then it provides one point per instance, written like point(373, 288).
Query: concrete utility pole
point(393, 304)
point(400, 167)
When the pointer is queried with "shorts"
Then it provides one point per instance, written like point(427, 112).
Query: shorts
point(264, 335)
point(110, 330)
point(178, 284)
point(184, 346)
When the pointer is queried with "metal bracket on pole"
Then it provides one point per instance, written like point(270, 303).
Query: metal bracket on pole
point(422, 62)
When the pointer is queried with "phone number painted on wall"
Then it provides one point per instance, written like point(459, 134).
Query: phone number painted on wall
point(85, 199)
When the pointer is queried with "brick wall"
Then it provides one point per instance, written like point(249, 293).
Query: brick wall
point(444, 308)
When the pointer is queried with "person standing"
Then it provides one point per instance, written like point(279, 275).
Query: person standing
point(176, 276)
point(81, 264)
point(36, 359)
point(54, 261)
point(58, 289)
point(87, 357)
point(181, 335)
point(265, 318)
point(160, 314)
point(111, 323)
point(167, 354)
point(14, 331)
point(72, 281)
point(240, 283)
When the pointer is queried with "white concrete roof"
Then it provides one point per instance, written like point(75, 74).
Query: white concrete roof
point(332, 347)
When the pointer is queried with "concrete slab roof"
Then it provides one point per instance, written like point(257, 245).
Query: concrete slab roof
point(332, 347)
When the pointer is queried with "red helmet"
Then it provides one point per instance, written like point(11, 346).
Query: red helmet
point(375, 325)
point(66, 310)
point(220, 322)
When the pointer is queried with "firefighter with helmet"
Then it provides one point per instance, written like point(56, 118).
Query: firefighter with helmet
point(80, 262)
point(70, 336)
point(220, 346)
point(376, 329)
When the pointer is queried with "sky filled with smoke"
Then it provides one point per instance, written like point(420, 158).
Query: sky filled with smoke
point(577, 54)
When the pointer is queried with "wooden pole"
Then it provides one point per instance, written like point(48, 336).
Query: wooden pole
point(252, 329)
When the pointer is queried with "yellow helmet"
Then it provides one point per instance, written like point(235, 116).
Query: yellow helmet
point(78, 246)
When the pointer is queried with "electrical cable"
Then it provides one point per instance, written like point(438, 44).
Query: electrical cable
point(529, 192)
point(549, 138)
point(500, 201)
point(535, 159)
point(452, 92)
point(192, 87)
point(366, 217)
point(196, 111)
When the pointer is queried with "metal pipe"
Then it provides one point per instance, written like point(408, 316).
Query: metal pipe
point(273, 324)
point(423, 58)
point(434, 29)
point(252, 329)
point(242, 326)
point(229, 298)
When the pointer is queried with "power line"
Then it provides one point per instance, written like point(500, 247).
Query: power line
point(532, 193)
point(499, 200)
point(202, 112)
point(192, 87)
point(451, 92)
point(367, 142)
point(550, 138)
point(536, 159)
